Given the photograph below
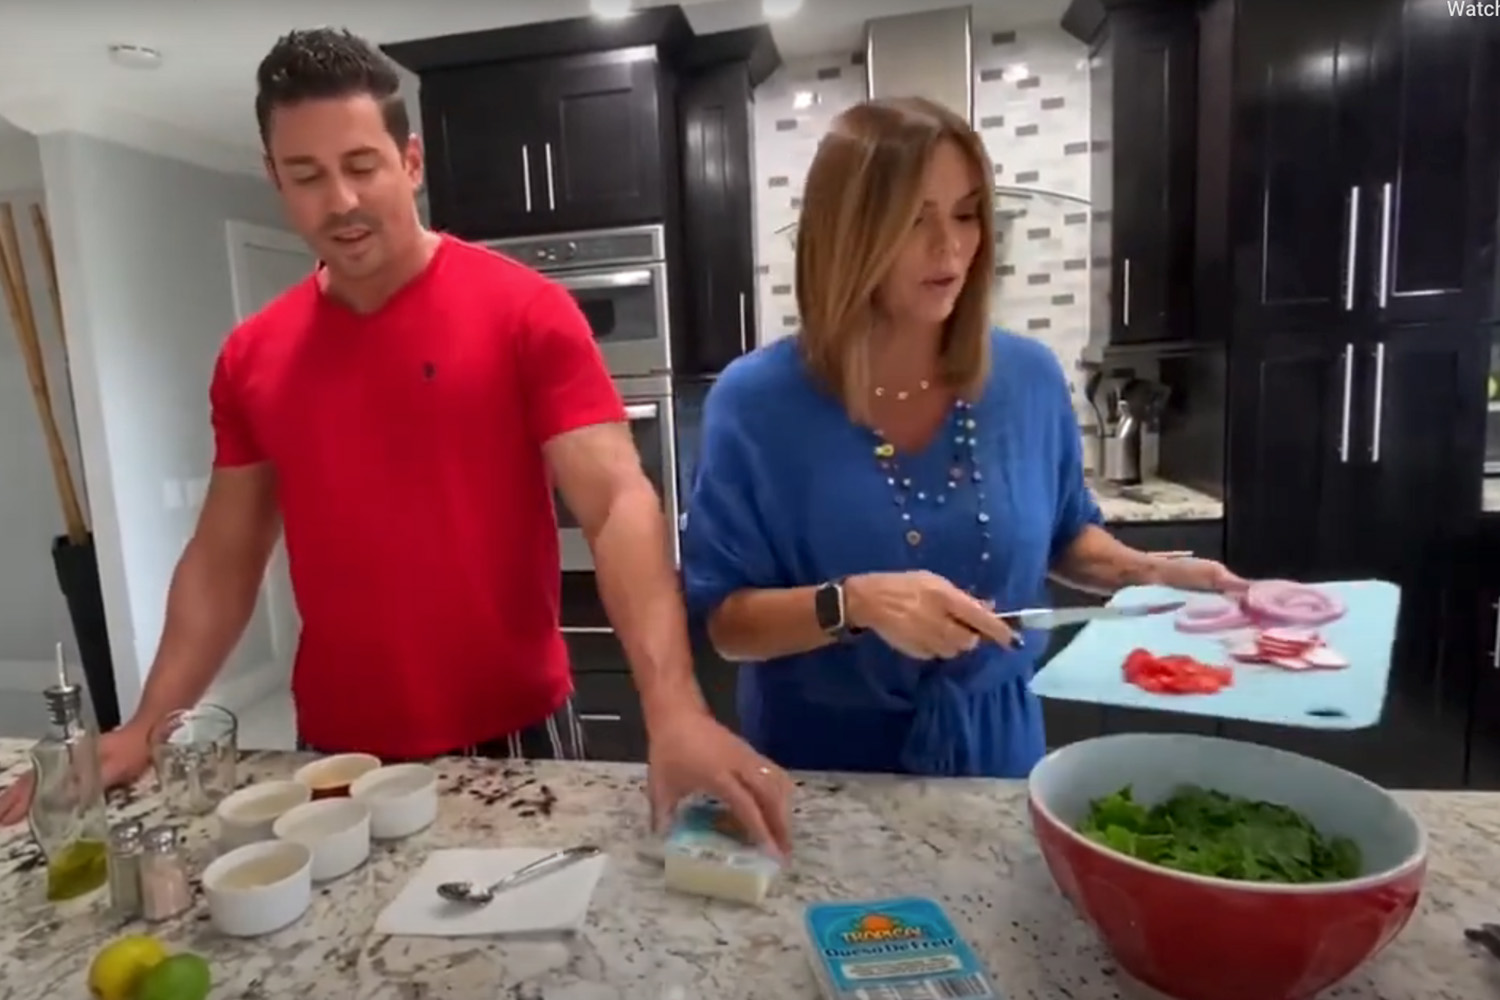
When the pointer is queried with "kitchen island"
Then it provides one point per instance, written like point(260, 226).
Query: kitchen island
point(966, 843)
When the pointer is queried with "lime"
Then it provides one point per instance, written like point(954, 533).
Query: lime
point(117, 970)
point(181, 977)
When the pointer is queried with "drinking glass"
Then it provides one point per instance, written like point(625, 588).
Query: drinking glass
point(195, 752)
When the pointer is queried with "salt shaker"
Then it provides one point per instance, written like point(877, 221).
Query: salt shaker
point(125, 870)
point(166, 890)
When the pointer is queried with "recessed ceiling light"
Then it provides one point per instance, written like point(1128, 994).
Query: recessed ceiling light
point(135, 56)
point(777, 9)
point(612, 10)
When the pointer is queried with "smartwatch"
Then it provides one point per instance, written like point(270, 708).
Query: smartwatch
point(828, 605)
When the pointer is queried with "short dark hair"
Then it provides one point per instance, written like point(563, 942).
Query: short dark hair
point(321, 63)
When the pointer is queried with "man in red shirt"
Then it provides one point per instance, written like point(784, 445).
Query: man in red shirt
point(402, 414)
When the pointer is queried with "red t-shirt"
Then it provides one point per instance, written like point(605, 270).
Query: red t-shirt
point(417, 506)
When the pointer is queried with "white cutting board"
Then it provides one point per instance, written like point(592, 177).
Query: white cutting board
point(553, 904)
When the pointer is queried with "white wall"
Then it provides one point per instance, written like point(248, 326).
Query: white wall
point(1031, 106)
point(32, 614)
point(141, 250)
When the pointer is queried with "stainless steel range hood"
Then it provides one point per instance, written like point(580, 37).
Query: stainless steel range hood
point(929, 54)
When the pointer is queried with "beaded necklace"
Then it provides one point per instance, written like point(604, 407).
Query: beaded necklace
point(962, 429)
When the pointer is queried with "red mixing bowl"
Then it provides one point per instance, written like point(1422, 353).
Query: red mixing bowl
point(1192, 937)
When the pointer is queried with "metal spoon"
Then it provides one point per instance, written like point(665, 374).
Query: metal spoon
point(467, 892)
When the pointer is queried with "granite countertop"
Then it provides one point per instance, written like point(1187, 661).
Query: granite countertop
point(1158, 500)
point(964, 842)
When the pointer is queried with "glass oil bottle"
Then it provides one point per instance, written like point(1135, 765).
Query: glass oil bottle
point(67, 815)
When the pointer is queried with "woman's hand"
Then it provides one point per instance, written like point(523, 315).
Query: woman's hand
point(922, 615)
point(1200, 574)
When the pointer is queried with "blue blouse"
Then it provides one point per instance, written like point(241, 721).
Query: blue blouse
point(789, 492)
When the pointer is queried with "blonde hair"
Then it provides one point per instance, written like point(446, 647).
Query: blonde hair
point(862, 192)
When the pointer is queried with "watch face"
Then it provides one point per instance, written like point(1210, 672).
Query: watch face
point(827, 604)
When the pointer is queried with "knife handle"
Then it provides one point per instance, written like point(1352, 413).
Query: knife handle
point(1011, 622)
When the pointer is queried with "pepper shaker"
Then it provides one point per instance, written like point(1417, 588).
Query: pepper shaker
point(125, 870)
point(166, 890)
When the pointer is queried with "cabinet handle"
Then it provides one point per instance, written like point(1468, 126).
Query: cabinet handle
point(1125, 294)
point(526, 174)
point(744, 328)
point(551, 191)
point(586, 630)
point(642, 411)
point(1351, 250)
point(1495, 649)
point(1348, 394)
point(598, 717)
point(1378, 404)
point(1384, 288)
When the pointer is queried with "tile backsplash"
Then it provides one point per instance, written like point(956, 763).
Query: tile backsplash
point(1031, 105)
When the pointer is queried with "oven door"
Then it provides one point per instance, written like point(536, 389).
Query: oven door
point(627, 310)
point(652, 427)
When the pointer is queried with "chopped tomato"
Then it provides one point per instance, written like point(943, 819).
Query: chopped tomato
point(1174, 674)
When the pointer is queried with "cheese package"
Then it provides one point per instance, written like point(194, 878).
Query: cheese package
point(904, 948)
point(707, 854)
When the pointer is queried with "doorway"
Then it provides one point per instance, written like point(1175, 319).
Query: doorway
point(263, 263)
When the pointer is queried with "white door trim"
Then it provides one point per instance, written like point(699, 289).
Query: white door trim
point(248, 689)
point(239, 235)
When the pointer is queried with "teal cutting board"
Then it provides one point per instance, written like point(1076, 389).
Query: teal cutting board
point(1090, 668)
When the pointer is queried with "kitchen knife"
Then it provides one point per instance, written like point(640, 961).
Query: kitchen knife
point(1048, 618)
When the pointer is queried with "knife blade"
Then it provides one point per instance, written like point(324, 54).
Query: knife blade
point(1050, 618)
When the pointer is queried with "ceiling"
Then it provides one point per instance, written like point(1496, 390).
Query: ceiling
point(55, 72)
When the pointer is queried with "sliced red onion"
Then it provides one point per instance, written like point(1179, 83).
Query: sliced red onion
point(1323, 658)
point(1290, 603)
point(1211, 614)
point(1292, 636)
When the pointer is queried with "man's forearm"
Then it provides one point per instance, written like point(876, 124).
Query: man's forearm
point(1097, 561)
point(641, 596)
point(206, 613)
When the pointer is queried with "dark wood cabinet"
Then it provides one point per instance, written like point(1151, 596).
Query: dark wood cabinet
point(1429, 181)
point(1474, 641)
point(1362, 150)
point(604, 696)
point(1356, 394)
point(718, 218)
point(547, 145)
point(1143, 62)
point(1291, 436)
point(1350, 262)
point(717, 80)
point(609, 713)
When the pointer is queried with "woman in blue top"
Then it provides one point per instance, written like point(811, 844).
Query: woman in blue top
point(871, 490)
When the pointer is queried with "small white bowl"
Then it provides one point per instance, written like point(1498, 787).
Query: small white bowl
point(333, 777)
point(403, 799)
point(337, 831)
point(258, 889)
point(247, 816)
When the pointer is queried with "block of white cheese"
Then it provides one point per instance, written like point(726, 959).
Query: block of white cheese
point(707, 854)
